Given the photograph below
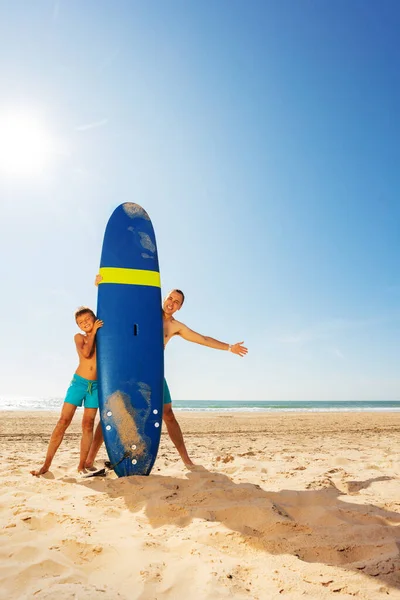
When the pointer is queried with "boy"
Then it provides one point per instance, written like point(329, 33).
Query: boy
point(83, 389)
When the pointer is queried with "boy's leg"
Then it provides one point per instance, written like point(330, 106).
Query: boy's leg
point(89, 415)
point(95, 447)
point(67, 413)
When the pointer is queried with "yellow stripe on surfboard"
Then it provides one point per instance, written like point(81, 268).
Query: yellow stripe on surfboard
point(130, 276)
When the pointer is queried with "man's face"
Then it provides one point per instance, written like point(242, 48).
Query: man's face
point(85, 322)
point(172, 303)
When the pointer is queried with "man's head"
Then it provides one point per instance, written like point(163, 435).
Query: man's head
point(85, 318)
point(173, 302)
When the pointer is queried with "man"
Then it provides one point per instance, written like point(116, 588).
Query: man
point(172, 303)
point(83, 389)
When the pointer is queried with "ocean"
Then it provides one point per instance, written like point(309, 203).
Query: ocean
point(37, 403)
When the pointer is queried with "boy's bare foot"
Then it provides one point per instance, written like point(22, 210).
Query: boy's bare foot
point(41, 471)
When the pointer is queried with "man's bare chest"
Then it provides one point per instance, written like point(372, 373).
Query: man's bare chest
point(169, 331)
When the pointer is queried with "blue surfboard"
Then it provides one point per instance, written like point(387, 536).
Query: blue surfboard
point(130, 350)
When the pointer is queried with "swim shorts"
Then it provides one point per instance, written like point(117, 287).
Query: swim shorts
point(167, 395)
point(82, 391)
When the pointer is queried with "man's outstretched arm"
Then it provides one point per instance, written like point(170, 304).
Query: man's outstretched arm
point(197, 338)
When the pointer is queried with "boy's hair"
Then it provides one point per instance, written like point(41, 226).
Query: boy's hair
point(181, 293)
point(82, 310)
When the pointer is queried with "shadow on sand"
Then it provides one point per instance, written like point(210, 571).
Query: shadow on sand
point(314, 525)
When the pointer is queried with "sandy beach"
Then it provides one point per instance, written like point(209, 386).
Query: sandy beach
point(283, 505)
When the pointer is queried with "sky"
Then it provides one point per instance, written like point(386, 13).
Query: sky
point(261, 137)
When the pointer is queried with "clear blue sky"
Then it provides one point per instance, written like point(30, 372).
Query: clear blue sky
point(263, 139)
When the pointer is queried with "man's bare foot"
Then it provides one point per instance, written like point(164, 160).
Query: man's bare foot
point(197, 469)
point(90, 466)
point(41, 471)
point(84, 470)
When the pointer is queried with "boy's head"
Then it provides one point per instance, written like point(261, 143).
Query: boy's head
point(173, 301)
point(85, 318)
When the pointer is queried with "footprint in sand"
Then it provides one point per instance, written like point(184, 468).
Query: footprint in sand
point(154, 573)
point(23, 578)
point(42, 523)
point(23, 554)
point(21, 509)
point(346, 555)
point(80, 552)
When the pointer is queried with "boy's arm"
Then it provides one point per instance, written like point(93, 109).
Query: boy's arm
point(85, 344)
point(204, 340)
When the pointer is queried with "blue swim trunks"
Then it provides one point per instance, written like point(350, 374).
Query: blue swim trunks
point(167, 395)
point(82, 391)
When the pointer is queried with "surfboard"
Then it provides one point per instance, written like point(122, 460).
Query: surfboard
point(129, 346)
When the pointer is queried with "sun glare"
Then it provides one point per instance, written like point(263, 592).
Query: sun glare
point(25, 146)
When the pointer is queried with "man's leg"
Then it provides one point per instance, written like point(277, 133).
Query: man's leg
point(67, 413)
point(175, 433)
point(89, 415)
point(94, 447)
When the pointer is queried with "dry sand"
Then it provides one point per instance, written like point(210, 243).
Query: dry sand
point(283, 506)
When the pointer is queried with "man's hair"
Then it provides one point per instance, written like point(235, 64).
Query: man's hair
point(181, 293)
point(82, 310)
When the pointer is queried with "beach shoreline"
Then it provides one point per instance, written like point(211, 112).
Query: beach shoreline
point(281, 505)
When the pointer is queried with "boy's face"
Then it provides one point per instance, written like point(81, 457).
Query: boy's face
point(172, 303)
point(85, 322)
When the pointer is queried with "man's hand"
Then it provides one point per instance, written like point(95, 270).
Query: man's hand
point(98, 279)
point(239, 349)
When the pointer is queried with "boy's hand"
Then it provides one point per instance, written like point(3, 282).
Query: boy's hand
point(239, 349)
point(98, 279)
point(97, 325)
